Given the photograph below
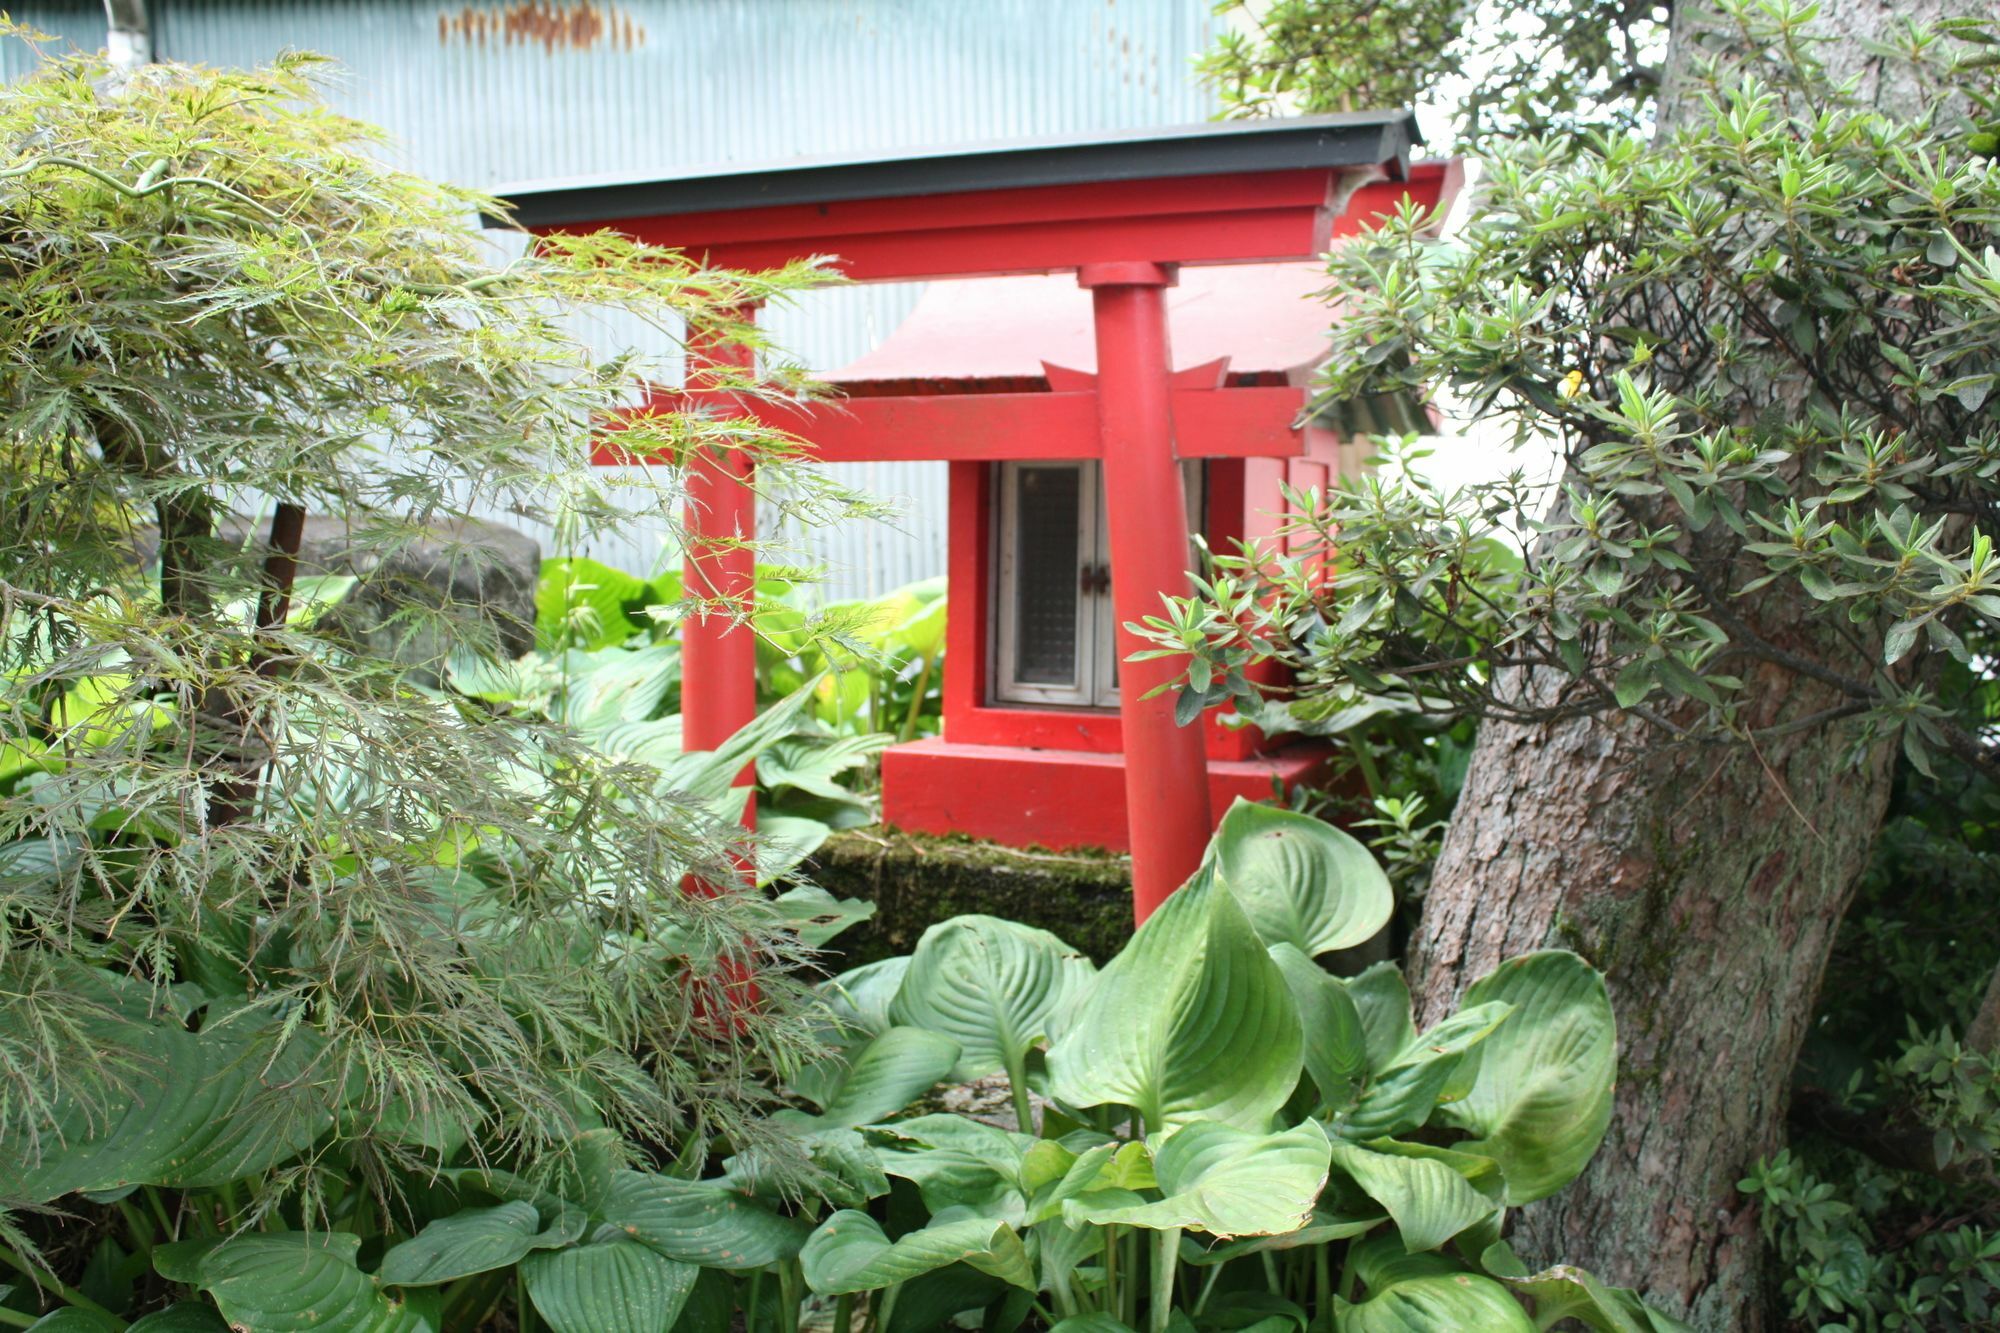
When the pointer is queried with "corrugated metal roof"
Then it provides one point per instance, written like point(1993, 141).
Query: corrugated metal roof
point(482, 92)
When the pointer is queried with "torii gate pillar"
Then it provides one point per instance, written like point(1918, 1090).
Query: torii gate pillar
point(718, 647)
point(1166, 768)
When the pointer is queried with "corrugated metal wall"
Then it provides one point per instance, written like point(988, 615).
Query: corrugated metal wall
point(489, 93)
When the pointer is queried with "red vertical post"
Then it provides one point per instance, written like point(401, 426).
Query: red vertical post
point(718, 648)
point(1166, 771)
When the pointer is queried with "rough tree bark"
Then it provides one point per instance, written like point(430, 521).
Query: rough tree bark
point(1706, 881)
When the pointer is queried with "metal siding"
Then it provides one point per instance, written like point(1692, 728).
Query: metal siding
point(669, 85)
point(76, 26)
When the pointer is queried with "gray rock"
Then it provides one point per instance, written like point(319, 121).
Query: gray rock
point(454, 580)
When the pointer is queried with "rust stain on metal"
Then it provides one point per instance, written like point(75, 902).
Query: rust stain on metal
point(557, 25)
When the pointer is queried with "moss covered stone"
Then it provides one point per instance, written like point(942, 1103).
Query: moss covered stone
point(915, 881)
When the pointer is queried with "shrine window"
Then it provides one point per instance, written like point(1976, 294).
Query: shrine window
point(1055, 621)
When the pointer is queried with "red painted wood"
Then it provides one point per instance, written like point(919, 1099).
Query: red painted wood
point(718, 648)
point(952, 426)
point(1166, 794)
point(1208, 423)
point(1085, 730)
point(985, 250)
point(969, 618)
point(1237, 218)
point(1063, 800)
point(1254, 422)
point(1098, 202)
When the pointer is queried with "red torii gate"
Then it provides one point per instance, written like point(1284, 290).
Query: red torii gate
point(1122, 212)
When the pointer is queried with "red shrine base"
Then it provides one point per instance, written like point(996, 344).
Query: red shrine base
point(1059, 799)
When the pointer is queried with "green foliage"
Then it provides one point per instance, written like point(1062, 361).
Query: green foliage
point(1763, 348)
point(1513, 66)
point(1883, 1211)
point(323, 979)
point(1840, 1274)
point(1226, 1124)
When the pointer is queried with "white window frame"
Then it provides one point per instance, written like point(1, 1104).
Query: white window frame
point(1006, 688)
point(1095, 681)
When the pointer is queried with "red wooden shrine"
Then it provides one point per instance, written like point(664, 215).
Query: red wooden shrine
point(1139, 316)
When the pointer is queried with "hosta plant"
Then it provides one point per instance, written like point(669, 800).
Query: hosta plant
point(1231, 1135)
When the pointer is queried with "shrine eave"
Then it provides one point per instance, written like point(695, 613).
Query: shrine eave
point(1342, 140)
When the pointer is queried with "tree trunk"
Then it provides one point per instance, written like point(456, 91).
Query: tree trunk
point(1707, 882)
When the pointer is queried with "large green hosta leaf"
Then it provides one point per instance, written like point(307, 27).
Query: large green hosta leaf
point(1192, 1021)
point(1225, 1181)
point(475, 1240)
point(860, 998)
point(1429, 1201)
point(288, 1282)
point(849, 1252)
point(1301, 880)
point(584, 603)
point(1404, 1093)
point(182, 1318)
point(1437, 1303)
point(698, 1223)
point(1566, 1292)
point(1541, 1100)
point(1336, 1051)
point(611, 1285)
point(694, 1222)
point(884, 1076)
point(956, 1162)
point(992, 986)
point(190, 1109)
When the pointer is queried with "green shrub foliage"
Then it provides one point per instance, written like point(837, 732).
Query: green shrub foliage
point(292, 936)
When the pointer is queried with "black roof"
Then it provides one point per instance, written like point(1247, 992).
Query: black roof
point(1345, 139)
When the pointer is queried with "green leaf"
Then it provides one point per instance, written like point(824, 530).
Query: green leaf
point(813, 913)
point(1090, 1323)
point(887, 1074)
point(698, 1223)
point(612, 1285)
point(849, 1252)
point(1424, 1074)
point(192, 1109)
point(582, 603)
point(814, 763)
point(1226, 1181)
point(955, 1161)
point(70, 1319)
point(860, 998)
point(474, 1241)
point(1902, 637)
point(1300, 880)
point(1336, 1051)
point(1439, 1303)
point(1382, 1000)
point(1428, 1201)
point(291, 1281)
point(992, 986)
point(1542, 1100)
point(1324, 1228)
point(1191, 1021)
point(1567, 1292)
point(183, 1318)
